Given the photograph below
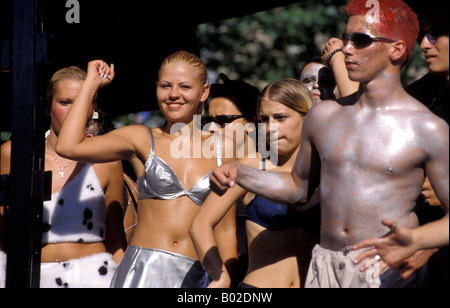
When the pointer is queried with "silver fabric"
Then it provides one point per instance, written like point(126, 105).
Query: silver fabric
point(152, 268)
point(161, 182)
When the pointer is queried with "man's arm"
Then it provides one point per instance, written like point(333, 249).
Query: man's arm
point(294, 188)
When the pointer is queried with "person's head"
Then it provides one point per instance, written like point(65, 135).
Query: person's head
point(62, 91)
point(100, 124)
point(386, 32)
point(233, 101)
point(283, 106)
point(433, 40)
point(182, 87)
point(319, 79)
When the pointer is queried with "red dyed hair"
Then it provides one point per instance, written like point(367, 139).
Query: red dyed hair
point(397, 20)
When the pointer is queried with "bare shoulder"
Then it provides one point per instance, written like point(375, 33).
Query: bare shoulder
point(138, 135)
point(431, 131)
point(423, 119)
point(6, 149)
point(321, 113)
point(5, 157)
point(134, 131)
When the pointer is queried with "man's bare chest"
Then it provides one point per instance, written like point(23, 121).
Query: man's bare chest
point(380, 143)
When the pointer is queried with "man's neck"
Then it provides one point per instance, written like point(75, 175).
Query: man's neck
point(382, 91)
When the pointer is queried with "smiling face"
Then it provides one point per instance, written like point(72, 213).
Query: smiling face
point(180, 92)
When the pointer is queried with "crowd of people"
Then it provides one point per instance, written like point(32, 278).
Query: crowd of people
point(358, 195)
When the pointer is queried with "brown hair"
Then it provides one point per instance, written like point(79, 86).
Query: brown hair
point(68, 73)
point(289, 92)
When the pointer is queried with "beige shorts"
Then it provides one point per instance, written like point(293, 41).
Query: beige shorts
point(331, 269)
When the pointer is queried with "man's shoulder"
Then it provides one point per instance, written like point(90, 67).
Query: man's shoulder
point(324, 108)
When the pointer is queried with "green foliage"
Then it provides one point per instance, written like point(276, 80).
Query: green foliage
point(271, 45)
point(275, 44)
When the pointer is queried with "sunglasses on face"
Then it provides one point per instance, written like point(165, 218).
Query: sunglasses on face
point(363, 40)
point(221, 120)
point(432, 35)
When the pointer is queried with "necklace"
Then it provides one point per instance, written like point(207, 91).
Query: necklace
point(61, 172)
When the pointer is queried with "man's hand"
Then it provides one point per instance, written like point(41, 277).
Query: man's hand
point(429, 194)
point(224, 178)
point(394, 248)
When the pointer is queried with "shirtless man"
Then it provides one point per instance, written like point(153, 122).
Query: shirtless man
point(370, 153)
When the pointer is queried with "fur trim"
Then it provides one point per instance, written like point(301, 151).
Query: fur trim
point(2, 269)
point(95, 271)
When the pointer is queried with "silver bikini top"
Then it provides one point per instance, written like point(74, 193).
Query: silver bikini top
point(161, 182)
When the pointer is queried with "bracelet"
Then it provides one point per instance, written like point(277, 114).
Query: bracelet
point(332, 55)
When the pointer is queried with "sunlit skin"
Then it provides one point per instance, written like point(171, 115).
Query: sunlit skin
point(110, 176)
point(162, 224)
point(275, 261)
point(373, 150)
point(437, 56)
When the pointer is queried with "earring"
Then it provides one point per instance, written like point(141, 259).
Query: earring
point(95, 116)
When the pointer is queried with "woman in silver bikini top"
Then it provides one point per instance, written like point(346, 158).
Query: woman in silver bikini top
point(161, 182)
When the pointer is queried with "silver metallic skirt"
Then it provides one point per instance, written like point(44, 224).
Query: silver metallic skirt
point(153, 268)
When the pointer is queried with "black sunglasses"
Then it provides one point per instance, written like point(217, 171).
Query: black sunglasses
point(432, 35)
point(223, 119)
point(363, 40)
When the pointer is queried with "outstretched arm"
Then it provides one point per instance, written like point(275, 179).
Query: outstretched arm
point(294, 188)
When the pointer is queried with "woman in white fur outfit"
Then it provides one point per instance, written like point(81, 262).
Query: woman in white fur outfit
point(83, 238)
point(2, 250)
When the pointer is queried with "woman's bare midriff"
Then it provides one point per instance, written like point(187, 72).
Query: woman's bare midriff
point(69, 251)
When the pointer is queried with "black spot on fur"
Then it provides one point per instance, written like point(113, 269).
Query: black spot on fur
point(46, 227)
point(103, 271)
point(88, 214)
point(60, 283)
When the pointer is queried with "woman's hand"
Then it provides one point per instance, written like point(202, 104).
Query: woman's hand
point(100, 73)
point(332, 45)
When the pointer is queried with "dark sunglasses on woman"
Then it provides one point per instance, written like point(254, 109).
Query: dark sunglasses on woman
point(363, 40)
point(222, 120)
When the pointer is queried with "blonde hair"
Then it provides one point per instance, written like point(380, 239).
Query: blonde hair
point(192, 60)
point(289, 92)
point(196, 63)
point(68, 73)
